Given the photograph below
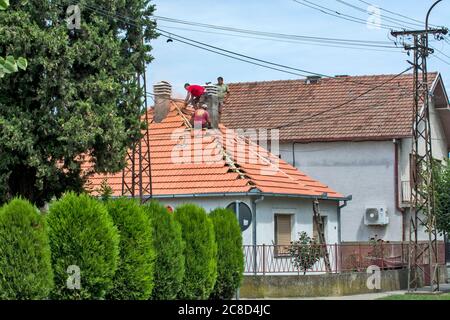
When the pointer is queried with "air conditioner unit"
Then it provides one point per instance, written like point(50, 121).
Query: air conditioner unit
point(376, 216)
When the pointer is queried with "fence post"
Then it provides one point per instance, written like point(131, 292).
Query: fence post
point(359, 257)
point(255, 259)
point(264, 259)
point(336, 257)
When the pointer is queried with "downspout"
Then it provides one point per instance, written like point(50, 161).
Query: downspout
point(293, 154)
point(339, 220)
point(397, 193)
point(255, 253)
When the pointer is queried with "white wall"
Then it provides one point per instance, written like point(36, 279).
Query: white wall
point(265, 212)
point(364, 170)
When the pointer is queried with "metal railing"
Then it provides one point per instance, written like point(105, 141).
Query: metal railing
point(308, 259)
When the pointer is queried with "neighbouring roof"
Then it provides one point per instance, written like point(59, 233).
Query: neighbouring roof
point(178, 167)
point(384, 113)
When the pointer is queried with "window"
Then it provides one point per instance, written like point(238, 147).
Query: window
point(243, 212)
point(316, 229)
point(283, 232)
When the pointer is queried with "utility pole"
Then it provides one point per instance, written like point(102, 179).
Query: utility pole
point(422, 203)
point(137, 174)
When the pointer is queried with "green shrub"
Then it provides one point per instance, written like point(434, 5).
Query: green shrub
point(169, 247)
point(230, 257)
point(134, 276)
point(25, 266)
point(200, 252)
point(82, 234)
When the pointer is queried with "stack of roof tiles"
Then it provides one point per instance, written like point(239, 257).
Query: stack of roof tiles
point(186, 161)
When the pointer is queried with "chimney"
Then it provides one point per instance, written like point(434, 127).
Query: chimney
point(163, 92)
point(312, 79)
point(213, 105)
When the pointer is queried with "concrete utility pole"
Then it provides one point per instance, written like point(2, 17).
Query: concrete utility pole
point(422, 204)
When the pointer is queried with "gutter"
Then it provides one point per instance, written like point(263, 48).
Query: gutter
point(324, 196)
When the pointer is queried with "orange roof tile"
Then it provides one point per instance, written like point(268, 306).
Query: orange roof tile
point(212, 161)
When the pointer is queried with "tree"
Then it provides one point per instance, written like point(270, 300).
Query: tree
point(78, 100)
point(200, 252)
point(442, 194)
point(83, 240)
point(169, 247)
point(10, 64)
point(230, 256)
point(25, 266)
point(305, 252)
point(133, 279)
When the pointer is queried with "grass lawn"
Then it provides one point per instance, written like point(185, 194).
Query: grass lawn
point(445, 296)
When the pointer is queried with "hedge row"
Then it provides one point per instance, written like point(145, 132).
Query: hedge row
point(117, 249)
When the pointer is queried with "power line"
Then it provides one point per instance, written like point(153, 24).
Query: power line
point(353, 47)
point(340, 15)
point(345, 103)
point(395, 13)
point(394, 20)
point(274, 35)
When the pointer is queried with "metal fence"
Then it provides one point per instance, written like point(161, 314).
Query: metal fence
point(311, 259)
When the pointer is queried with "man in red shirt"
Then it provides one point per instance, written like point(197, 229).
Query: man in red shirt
point(200, 118)
point(196, 95)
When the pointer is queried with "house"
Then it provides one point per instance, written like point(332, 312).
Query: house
point(358, 143)
point(218, 168)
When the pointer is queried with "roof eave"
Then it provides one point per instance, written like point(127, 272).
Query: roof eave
point(245, 194)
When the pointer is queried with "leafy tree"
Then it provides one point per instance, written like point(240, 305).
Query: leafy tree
point(230, 257)
point(25, 267)
point(200, 252)
point(169, 247)
point(10, 64)
point(442, 194)
point(78, 96)
point(134, 276)
point(305, 252)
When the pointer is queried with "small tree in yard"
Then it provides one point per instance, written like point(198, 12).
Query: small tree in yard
point(230, 256)
point(25, 266)
point(442, 193)
point(82, 235)
point(169, 247)
point(305, 252)
point(134, 276)
point(200, 252)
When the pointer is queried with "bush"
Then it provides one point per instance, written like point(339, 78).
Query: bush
point(25, 265)
point(169, 247)
point(82, 234)
point(134, 276)
point(230, 257)
point(200, 252)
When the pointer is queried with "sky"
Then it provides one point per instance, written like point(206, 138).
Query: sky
point(179, 63)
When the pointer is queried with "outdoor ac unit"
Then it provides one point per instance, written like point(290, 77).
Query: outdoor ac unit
point(376, 216)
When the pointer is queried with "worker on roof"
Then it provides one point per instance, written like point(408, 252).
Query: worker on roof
point(222, 92)
point(196, 95)
point(200, 118)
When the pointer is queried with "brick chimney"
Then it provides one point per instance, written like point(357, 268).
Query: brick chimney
point(213, 105)
point(162, 91)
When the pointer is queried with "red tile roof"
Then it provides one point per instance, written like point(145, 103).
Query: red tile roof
point(186, 161)
point(384, 113)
